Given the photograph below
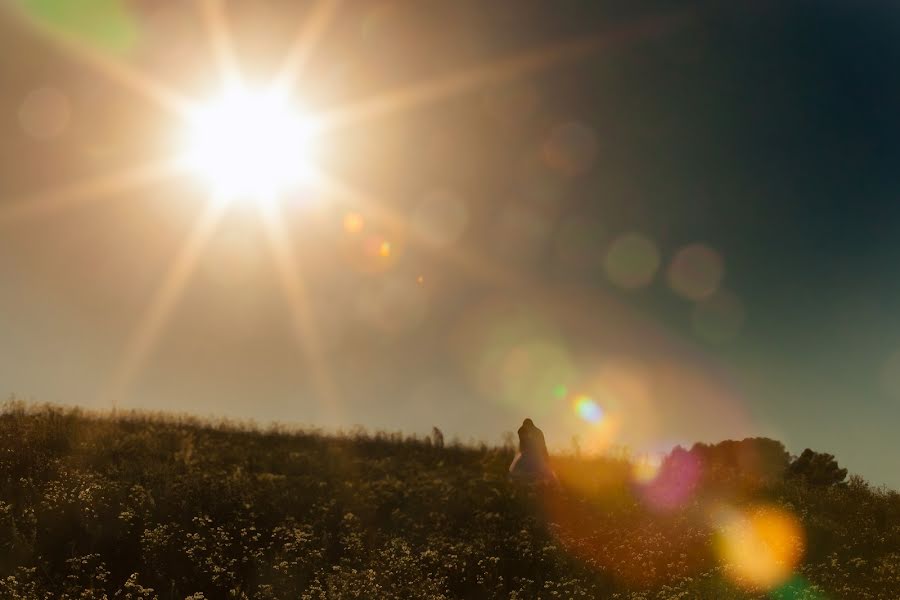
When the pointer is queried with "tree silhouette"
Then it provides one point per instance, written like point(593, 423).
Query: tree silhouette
point(817, 468)
point(758, 459)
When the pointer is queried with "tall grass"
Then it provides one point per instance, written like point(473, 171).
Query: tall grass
point(139, 505)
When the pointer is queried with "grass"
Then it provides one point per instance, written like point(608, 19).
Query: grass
point(154, 506)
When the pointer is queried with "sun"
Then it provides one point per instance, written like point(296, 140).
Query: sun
point(248, 145)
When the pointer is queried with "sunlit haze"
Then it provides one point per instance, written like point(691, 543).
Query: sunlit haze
point(640, 224)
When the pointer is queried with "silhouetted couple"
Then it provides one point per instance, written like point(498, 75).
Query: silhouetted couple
point(533, 461)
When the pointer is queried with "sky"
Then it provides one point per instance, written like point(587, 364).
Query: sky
point(640, 224)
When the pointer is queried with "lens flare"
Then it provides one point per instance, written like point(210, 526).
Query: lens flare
point(696, 272)
point(353, 222)
point(587, 408)
point(109, 25)
point(675, 483)
point(632, 261)
point(528, 372)
point(375, 251)
point(511, 353)
point(759, 547)
point(646, 468)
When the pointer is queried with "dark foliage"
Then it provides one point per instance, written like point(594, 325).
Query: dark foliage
point(136, 506)
point(817, 468)
point(760, 459)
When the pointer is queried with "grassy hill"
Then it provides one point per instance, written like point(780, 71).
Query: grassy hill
point(141, 506)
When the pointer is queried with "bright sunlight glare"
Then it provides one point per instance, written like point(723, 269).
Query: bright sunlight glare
point(248, 145)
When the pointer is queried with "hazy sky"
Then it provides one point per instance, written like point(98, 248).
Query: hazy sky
point(639, 223)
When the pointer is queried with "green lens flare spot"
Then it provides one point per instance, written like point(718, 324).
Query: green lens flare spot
point(107, 24)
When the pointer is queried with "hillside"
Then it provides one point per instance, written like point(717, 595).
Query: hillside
point(141, 506)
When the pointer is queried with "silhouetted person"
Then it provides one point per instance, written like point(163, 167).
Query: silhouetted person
point(437, 437)
point(531, 440)
point(532, 461)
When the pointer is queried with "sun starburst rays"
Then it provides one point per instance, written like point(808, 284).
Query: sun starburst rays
point(153, 321)
point(155, 318)
point(218, 32)
point(52, 202)
point(141, 84)
point(519, 65)
point(305, 42)
point(303, 323)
